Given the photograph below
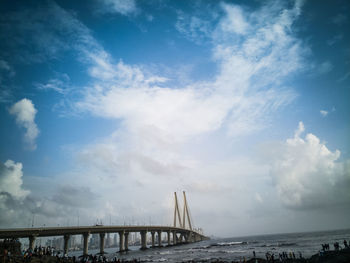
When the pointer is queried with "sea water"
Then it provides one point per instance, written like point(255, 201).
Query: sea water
point(235, 248)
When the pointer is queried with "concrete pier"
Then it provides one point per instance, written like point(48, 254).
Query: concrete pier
point(174, 237)
point(189, 238)
point(185, 238)
point(121, 241)
point(181, 238)
point(143, 240)
point(159, 238)
point(32, 242)
point(102, 243)
point(152, 234)
point(168, 235)
point(65, 245)
point(126, 241)
point(86, 239)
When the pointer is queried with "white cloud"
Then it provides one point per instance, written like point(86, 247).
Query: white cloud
point(240, 98)
point(193, 27)
point(308, 175)
point(60, 84)
point(235, 21)
point(25, 112)
point(124, 7)
point(324, 113)
point(18, 205)
point(174, 112)
point(11, 179)
point(234, 100)
point(12, 194)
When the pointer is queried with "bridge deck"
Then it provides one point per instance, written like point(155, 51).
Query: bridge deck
point(79, 230)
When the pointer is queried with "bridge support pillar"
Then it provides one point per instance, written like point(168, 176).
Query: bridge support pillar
point(181, 238)
point(143, 240)
point(86, 239)
point(168, 235)
point(121, 241)
point(194, 237)
point(32, 242)
point(126, 241)
point(186, 237)
point(65, 246)
point(174, 237)
point(190, 237)
point(102, 243)
point(159, 238)
point(153, 243)
point(197, 238)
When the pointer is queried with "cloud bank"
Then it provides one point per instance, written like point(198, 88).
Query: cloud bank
point(308, 175)
point(11, 179)
point(12, 194)
point(253, 56)
point(19, 206)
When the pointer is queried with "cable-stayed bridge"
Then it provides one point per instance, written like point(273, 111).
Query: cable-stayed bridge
point(175, 234)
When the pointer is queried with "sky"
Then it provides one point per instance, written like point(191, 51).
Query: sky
point(108, 107)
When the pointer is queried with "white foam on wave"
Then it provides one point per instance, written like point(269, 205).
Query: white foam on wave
point(230, 243)
point(167, 252)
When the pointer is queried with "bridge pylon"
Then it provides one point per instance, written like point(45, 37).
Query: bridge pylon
point(185, 214)
point(177, 212)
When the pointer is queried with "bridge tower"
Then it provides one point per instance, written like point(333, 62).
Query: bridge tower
point(185, 214)
point(177, 212)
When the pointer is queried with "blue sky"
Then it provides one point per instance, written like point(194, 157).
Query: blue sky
point(107, 107)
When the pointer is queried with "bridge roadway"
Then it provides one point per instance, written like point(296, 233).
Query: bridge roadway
point(179, 235)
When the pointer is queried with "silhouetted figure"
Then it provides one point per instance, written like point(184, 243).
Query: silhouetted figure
point(336, 246)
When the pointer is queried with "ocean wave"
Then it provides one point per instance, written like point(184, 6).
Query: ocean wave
point(225, 244)
point(280, 245)
point(166, 252)
point(199, 248)
point(155, 260)
point(287, 244)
